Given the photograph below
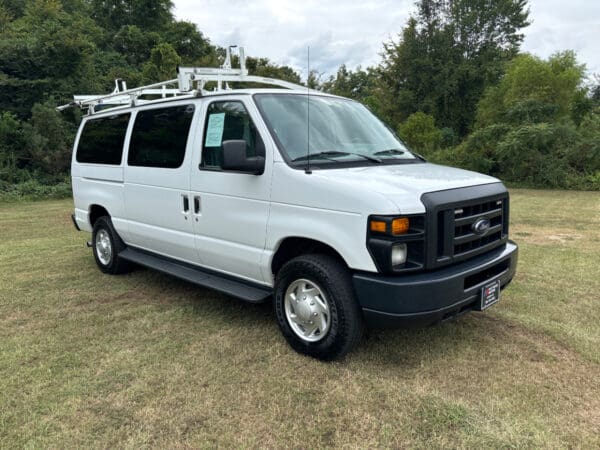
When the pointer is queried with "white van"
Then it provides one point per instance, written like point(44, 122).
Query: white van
point(307, 201)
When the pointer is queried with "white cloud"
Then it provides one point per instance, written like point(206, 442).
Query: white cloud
point(352, 33)
point(559, 25)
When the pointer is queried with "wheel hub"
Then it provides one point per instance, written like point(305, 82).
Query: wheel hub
point(307, 310)
point(103, 247)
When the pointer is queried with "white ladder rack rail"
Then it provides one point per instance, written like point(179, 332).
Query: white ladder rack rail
point(189, 83)
point(122, 97)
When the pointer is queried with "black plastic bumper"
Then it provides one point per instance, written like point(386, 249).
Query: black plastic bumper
point(430, 297)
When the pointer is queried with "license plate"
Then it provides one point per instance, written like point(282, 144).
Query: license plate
point(490, 294)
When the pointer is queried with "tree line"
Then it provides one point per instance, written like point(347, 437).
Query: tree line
point(454, 85)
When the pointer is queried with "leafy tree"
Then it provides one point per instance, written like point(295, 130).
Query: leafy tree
point(420, 133)
point(110, 65)
point(313, 80)
point(265, 68)
point(190, 44)
point(536, 126)
point(586, 157)
point(50, 140)
point(148, 15)
point(48, 41)
point(595, 90)
point(448, 53)
point(453, 62)
point(449, 137)
point(41, 146)
point(5, 17)
point(12, 147)
point(534, 90)
point(135, 44)
point(357, 84)
point(53, 49)
point(162, 64)
point(535, 154)
point(46, 50)
point(12, 9)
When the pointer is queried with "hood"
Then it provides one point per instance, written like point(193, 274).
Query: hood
point(403, 184)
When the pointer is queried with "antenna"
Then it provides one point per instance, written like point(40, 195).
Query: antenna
point(308, 171)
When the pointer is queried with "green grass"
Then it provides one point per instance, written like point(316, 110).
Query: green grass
point(145, 360)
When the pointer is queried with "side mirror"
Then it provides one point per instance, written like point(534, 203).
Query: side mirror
point(235, 158)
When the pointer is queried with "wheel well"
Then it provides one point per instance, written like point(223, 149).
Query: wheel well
point(97, 211)
point(296, 246)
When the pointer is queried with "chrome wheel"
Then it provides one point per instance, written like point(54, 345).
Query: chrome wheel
point(103, 247)
point(307, 310)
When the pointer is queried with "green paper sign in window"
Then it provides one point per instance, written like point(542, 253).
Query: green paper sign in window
point(214, 130)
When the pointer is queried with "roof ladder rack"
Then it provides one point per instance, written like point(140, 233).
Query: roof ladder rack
point(189, 83)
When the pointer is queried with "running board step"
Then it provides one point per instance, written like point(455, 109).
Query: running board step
point(245, 291)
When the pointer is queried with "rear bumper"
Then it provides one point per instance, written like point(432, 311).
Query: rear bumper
point(430, 297)
point(75, 224)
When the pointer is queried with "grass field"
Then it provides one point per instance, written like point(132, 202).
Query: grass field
point(143, 359)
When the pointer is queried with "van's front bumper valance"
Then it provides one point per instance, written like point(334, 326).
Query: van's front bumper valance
point(428, 297)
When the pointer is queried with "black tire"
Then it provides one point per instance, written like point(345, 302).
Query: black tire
point(115, 265)
point(346, 322)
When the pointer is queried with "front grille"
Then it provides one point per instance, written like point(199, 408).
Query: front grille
point(452, 215)
point(465, 240)
point(456, 237)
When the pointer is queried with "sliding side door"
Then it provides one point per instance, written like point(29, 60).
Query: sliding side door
point(157, 181)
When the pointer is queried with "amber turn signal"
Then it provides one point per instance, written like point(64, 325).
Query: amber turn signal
point(378, 226)
point(400, 226)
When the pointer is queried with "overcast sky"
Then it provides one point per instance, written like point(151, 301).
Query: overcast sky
point(342, 32)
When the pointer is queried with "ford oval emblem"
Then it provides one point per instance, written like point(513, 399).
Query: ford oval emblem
point(480, 226)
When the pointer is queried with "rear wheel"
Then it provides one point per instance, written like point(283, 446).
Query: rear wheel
point(106, 245)
point(316, 307)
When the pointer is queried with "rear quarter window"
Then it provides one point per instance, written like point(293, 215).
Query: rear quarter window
point(101, 140)
point(159, 137)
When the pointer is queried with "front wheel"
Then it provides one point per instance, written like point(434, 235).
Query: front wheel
point(316, 307)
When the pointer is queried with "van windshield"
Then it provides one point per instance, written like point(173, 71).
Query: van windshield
point(340, 130)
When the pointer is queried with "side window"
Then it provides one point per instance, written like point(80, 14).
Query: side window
point(226, 121)
point(101, 140)
point(159, 137)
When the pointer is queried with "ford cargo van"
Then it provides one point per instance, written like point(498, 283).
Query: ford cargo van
point(306, 201)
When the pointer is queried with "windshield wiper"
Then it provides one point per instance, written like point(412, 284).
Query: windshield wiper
point(319, 155)
point(391, 151)
point(332, 154)
point(397, 151)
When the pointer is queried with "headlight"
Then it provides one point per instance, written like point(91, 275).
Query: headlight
point(397, 244)
point(398, 254)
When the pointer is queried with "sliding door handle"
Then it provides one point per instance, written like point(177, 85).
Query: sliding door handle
point(186, 203)
point(197, 204)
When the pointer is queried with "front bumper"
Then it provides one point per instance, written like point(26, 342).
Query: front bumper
point(430, 297)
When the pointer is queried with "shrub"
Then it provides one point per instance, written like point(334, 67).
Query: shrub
point(50, 140)
point(12, 147)
point(34, 190)
point(420, 133)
